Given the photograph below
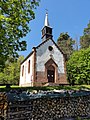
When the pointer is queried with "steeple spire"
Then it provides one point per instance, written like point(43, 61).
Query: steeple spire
point(46, 23)
point(47, 30)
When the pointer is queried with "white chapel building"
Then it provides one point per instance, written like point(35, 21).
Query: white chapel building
point(45, 65)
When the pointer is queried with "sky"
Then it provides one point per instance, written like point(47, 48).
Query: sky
point(70, 16)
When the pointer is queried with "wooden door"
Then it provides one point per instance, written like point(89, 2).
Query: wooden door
point(50, 75)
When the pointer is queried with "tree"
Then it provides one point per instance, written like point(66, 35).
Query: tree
point(66, 44)
point(78, 67)
point(11, 73)
point(14, 18)
point(85, 39)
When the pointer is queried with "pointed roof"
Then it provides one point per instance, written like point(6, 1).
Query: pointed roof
point(46, 23)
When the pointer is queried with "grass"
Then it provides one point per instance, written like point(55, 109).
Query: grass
point(86, 86)
point(76, 87)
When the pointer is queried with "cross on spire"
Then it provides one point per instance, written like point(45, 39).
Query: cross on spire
point(46, 11)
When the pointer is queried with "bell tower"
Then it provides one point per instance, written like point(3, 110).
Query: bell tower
point(47, 30)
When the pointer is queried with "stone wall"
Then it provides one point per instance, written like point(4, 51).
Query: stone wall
point(48, 108)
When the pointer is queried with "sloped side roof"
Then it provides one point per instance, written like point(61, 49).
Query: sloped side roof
point(27, 57)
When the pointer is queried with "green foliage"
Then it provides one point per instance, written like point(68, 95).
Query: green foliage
point(78, 67)
point(85, 39)
point(11, 73)
point(14, 18)
point(66, 44)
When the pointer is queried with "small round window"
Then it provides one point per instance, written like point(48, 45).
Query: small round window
point(50, 48)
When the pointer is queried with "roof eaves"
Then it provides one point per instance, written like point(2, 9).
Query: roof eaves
point(27, 57)
point(59, 49)
point(42, 43)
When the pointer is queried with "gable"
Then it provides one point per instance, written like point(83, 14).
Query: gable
point(44, 46)
point(43, 54)
point(41, 46)
point(53, 43)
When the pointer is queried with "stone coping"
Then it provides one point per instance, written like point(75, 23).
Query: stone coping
point(25, 95)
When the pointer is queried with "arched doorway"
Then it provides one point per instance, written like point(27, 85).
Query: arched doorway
point(51, 73)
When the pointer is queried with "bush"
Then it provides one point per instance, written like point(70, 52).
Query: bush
point(78, 67)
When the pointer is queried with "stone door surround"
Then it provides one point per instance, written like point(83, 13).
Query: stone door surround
point(51, 65)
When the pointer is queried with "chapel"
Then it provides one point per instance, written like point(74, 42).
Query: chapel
point(46, 63)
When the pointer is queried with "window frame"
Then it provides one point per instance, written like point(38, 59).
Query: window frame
point(28, 66)
point(22, 70)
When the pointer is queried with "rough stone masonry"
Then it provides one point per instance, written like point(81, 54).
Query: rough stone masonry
point(44, 108)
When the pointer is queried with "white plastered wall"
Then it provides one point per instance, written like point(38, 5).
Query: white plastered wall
point(43, 55)
point(27, 78)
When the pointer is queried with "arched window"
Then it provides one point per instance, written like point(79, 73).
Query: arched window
point(29, 66)
point(22, 70)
